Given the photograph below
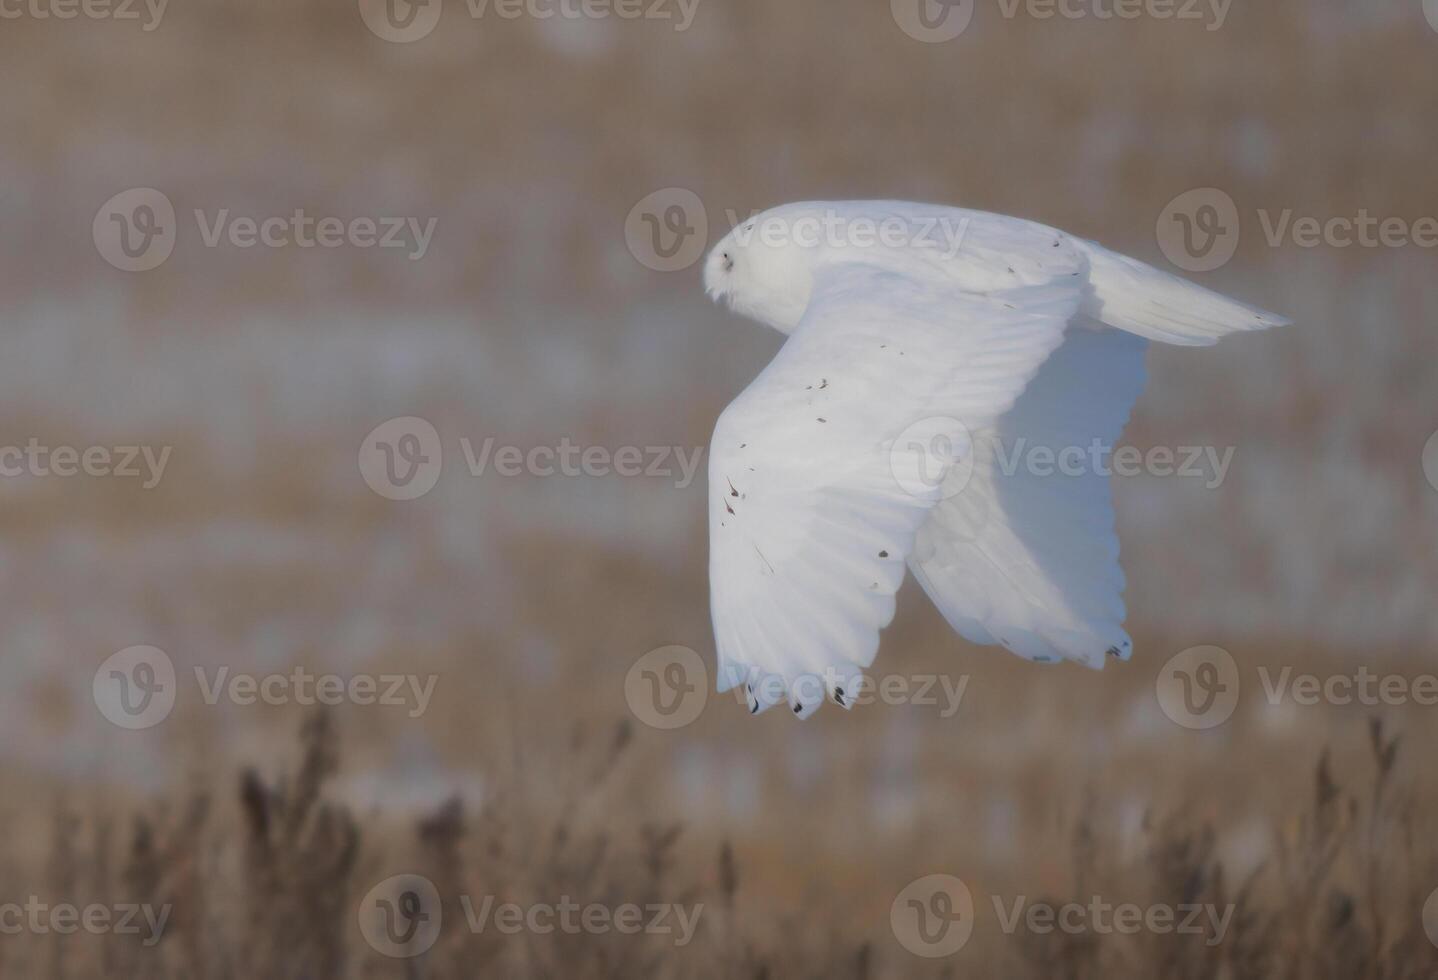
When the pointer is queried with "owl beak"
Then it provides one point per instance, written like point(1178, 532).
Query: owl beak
point(716, 271)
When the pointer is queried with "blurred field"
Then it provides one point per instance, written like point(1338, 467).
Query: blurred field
point(262, 877)
point(529, 321)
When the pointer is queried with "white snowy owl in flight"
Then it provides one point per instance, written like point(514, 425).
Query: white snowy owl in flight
point(924, 343)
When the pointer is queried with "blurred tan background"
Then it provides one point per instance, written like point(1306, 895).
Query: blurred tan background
point(529, 320)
